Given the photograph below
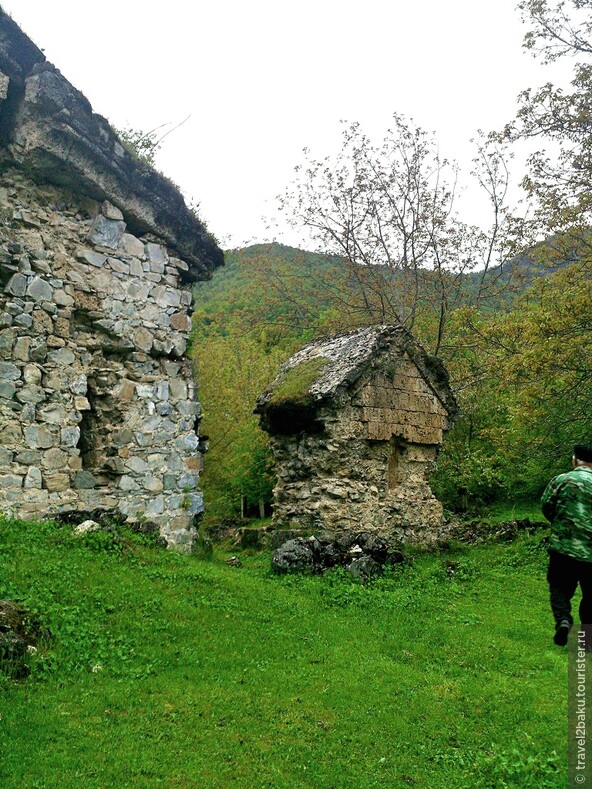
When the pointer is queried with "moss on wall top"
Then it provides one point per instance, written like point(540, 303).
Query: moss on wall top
point(295, 384)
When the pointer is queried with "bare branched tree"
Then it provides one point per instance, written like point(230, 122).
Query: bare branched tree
point(389, 211)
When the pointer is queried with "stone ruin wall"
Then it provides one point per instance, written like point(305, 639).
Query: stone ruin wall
point(369, 469)
point(97, 403)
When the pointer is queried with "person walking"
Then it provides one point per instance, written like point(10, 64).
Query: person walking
point(567, 504)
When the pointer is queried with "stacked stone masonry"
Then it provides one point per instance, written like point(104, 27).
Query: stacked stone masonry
point(97, 402)
point(378, 419)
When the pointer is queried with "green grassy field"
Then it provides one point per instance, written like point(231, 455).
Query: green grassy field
point(169, 670)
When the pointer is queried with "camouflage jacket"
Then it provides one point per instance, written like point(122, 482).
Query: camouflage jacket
point(567, 503)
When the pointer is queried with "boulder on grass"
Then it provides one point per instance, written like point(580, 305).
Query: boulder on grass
point(293, 556)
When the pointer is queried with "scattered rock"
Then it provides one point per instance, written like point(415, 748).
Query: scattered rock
point(86, 526)
point(293, 556)
point(363, 554)
point(21, 633)
point(364, 568)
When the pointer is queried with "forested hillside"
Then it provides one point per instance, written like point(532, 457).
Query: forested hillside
point(517, 363)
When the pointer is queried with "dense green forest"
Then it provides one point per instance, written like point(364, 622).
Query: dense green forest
point(506, 306)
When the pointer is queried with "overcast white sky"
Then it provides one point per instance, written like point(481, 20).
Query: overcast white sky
point(263, 79)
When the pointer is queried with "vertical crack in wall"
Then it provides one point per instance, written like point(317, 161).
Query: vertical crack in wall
point(397, 466)
point(8, 111)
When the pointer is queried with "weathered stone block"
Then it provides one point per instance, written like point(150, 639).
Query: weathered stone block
point(177, 389)
point(9, 372)
point(111, 211)
point(11, 481)
point(23, 320)
point(63, 357)
point(106, 232)
point(162, 390)
point(180, 321)
point(40, 437)
point(137, 465)
point(70, 437)
point(63, 299)
point(54, 459)
point(143, 339)
point(22, 349)
point(128, 483)
point(31, 394)
point(79, 385)
point(156, 254)
point(132, 246)
point(155, 506)
point(118, 265)
point(17, 285)
point(7, 338)
point(96, 259)
point(7, 390)
point(39, 290)
point(29, 457)
point(33, 479)
point(84, 480)
point(54, 413)
point(151, 483)
point(56, 482)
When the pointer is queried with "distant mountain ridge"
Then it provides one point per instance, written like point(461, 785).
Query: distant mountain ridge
point(298, 291)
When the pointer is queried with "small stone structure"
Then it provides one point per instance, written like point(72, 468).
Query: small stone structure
point(98, 253)
point(355, 423)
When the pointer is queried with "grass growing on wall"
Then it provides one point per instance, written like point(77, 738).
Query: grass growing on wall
point(296, 382)
point(171, 671)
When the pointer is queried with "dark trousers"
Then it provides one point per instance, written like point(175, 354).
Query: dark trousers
point(563, 575)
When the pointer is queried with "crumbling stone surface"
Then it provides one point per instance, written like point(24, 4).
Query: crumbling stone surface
point(293, 556)
point(363, 555)
point(364, 568)
point(97, 255)
point(49, 128)
point(355, 447)
point(97, 401)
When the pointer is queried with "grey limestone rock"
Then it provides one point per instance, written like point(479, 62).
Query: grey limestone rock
point(33, 478)
point(293, 556)
point(364, 568)
point(39, 290)
point(106, 232)
point(9, 372)
point(17, 285)
point(96, 259)
point(31, 394)
point(7, 390)
point(84, 479)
